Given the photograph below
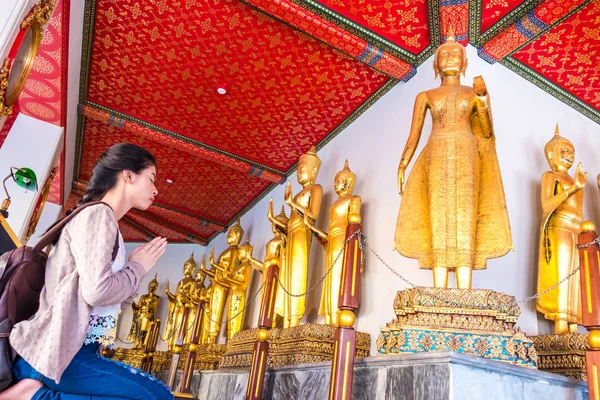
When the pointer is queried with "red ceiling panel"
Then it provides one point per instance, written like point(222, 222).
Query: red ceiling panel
point(493, 11)
point(199, 186)
point(402, 22)
point(162, 61)
point(569, 55)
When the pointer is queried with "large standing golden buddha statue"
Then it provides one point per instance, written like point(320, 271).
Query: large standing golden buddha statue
point(562, 205)
point(339, 218)
point(453, 213)
point(307, 203)
point(143, 314)
point(178, 301)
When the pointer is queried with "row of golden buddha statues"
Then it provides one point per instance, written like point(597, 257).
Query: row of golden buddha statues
point(229, 276)
point(453, 217)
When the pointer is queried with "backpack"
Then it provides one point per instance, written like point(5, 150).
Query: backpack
point(21, 281)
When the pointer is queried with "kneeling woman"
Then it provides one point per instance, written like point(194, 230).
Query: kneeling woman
point(86, 282)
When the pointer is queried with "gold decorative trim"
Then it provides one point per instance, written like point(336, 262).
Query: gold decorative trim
point(307, 343)
point(40, 13)
point(562, 354)
point(35, 218)
point(36, 40)
point(5, 109)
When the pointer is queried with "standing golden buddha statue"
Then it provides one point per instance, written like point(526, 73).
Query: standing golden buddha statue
point(307, 203)
point(143, 314)
point(197, 294)
point(239, 281)
point(275, 251)
point(207, 295)
point(182, 298)
point(222, 269)
point(562, 205)
point(453, 213)
point(339, 214)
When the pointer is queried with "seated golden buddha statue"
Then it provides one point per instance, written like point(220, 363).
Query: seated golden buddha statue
point(453, 214)
point(178, 301)
point(143, 314)
point(562, 205)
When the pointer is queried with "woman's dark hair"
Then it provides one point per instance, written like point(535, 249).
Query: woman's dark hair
point(117, 158)
point(114, 160)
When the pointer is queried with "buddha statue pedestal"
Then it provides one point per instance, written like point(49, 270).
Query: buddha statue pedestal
point(134, 357)
point(208, 356)
point(477, 322)
point(309, 343)
point(562, 354)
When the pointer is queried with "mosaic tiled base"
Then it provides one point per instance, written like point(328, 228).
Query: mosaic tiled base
point(562, 354)
point(510, 348)
point(477, 322)
point(299, 345)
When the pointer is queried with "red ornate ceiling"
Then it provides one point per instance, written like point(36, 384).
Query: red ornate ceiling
point(494, 10)
point(296, 72)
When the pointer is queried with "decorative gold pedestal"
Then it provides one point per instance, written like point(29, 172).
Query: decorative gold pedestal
point(562, 354)
point(308, 343)
point(478, 322)
point(133, 357)
point(208, 355)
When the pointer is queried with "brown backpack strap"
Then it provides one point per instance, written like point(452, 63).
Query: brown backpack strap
point(53, 234)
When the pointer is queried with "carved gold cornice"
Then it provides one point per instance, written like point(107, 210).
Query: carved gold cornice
point(40, 13)
point(5, 109)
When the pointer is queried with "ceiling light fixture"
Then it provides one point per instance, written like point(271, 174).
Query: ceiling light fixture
point(222, 89)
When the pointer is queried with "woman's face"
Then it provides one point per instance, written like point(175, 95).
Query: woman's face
point(143, 190)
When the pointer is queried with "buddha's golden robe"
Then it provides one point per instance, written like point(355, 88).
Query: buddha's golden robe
point(558, 257)
point(453, 211)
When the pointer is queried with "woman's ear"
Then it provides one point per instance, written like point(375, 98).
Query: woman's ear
point(128, 176)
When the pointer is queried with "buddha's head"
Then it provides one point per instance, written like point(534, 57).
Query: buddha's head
point(308, 167)
point(200, 275)
point(281, 218)
point(246, 250)
point(234, 236)
point(189, 267)
point(559, 152)
point(153, 284)
point(344, 181)
point(450, 58)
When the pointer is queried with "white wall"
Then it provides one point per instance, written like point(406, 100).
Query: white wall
point(31, 143)
point(524, 117)
point(74, 68)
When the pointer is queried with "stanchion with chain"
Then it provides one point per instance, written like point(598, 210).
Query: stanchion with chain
point(340, 386)
point(150, 346)
point(590, 303)
point(261, 346)
point(177, 348)
point(188, 369)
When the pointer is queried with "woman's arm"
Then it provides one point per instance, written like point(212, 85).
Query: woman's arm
point(92, 236)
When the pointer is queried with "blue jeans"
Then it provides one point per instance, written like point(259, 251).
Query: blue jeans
point(92, 377)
